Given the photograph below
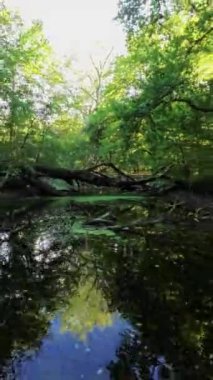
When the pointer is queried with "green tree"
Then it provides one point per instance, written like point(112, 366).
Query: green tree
point(157, 107)
point(33, 90)
point(133, 14)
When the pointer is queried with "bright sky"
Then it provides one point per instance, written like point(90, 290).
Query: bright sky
point(76, 28)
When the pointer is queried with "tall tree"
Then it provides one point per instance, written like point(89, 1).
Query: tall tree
point(157, 107)
point(134, 13)
point(32, 88)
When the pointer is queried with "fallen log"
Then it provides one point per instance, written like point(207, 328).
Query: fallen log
point(92, 177)
point(35, 180)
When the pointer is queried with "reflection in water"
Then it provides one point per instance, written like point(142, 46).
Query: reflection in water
point(63, 356)
point(86, 309)
point(62, 286)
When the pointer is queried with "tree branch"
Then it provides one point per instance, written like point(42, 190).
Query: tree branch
point(112, 166)
point(199, 40)
point(191, 104)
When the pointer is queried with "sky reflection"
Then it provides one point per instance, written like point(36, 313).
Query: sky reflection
point(63, 356)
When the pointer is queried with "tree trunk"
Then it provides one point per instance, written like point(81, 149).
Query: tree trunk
point(34, 180)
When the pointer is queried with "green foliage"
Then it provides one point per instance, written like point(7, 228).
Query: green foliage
point(85, 310)
point(157, 107)
point(27, 74)
point(133, 14)
point(149, 108)
point(37, 118)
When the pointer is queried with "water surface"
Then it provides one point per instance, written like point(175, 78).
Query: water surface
point(83, 295)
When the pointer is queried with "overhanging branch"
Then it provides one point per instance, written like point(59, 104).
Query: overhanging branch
point(191, 104)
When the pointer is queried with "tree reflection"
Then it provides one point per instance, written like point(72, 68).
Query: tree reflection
point(34, 282)
point(163, 285)
point(160, 280)
point(86, 309)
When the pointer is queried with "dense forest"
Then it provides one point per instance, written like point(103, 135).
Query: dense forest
point(143, 112)
point(106, 200)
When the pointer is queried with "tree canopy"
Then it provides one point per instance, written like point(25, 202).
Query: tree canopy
point(148, 108)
